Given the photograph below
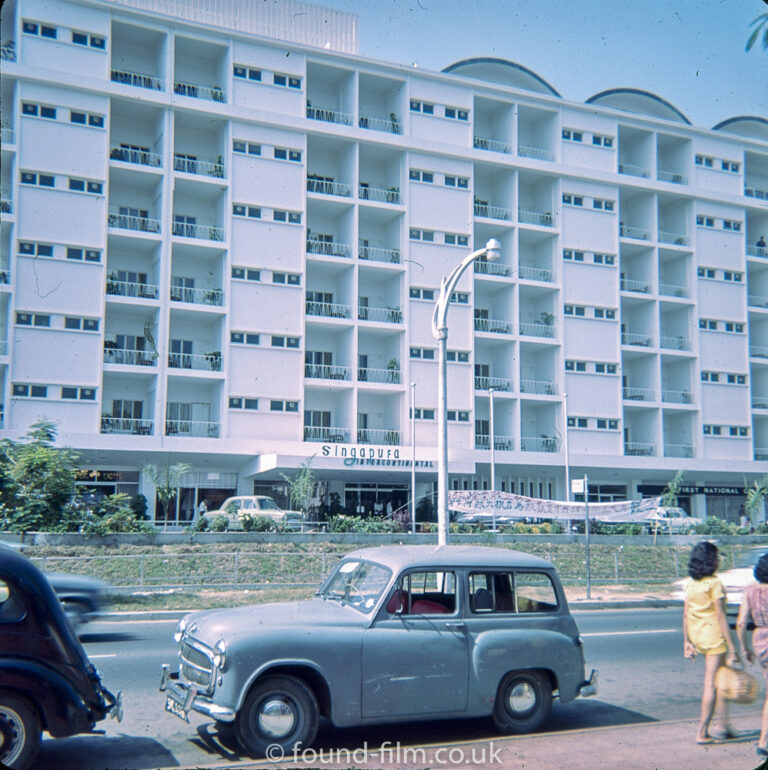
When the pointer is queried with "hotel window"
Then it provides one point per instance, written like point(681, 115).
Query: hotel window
point(415, 293)
point(575, 366)
point(737, 379)
point(293, 217)
point(246, 73)
point(246, 148)
point(602, 205)
point(81, 38)
point(279, 341)
point(40, 249)
point(240, 402)
point(284, 406)
point(33, 319)
point(460, 298)
point(417, 175)
point(243, 338)
point(457, 356)
point(426, 354)
point(421, 235)
point(706, 272)
point(578, 422)
point(287, 81)
point(704, 221)
point(456, 240)
point(573, 200)
point(605, 368)
point(602, 141)
point(41, 110)
point(457, 181)
point(704, 161)
point(30, 391)
point(456, 113)
point(32, 28)
point(603, 424)
point(283, 153)
point(730, 224)
point(457, 416)
point(572, 136)
point(43, 180)
point(246, 274)
point(575, 310)
point(729, 276)
point(423, 414)
point(729, 165)
point(735, 328)
point(710, 377)
point(575, 256)
point(241, 210)
point(291, 279)
point(709, 325)
point(426, 108)
point(607, 313)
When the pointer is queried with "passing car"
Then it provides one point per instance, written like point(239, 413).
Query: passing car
point(736, 579)
point(84, 598)
point(671, 520)
point(47, 682)
point(395, 634)
point(234, 509)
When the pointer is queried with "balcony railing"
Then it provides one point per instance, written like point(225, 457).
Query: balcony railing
point(497, 383)
point(139, 157)
point(638, 394)
point(531, 273)
point(491, 212)
point(379, 255)
point(329, 116)
point(760, 402)
point(492, 325)
point(129, 222)
point(678, 239)
point(3, 347)
point(491, 268)
point(192, 428)
point(539, 444)
point(630, 231)
point(8, 53)
point(761, 453)
point(197, 296)
point(500, 443)
point(326, 372)
point(212, 93)
point(675, 177)
point(672, 290)
point(328, 248)
point(492, 145)
point(631, 169)
point(378, 436)
point(538, 153)
point(202, 232)
point(630, 284)
point(327, 309)
point(129, 357)
point(386, 376)
point(754, 300)
point(391, 125)
point(127, 426)
point(5, 275)
point(7, 135)
point(676, 396)
point(327, 187)
point(138, 79)
point(756, 192)
point(543, 219)
point(331, 435)
point(6, 206)
point(639, 449)
point(367, 192)
point(210, 362)
point(129, 289)
point(387, 315)
point(757, 251)
point(538, 387)
point(672, 342)
point(642, 340)
point(678, 450)
point(758, 351)
point(201, 167)
point(533, 326)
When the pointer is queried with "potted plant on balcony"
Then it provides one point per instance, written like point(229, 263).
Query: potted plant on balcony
point(393, 367)
point(214, 360)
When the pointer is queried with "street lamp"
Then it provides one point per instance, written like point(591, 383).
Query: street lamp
point(492, 252)
point(413, 457)
point(493, 450)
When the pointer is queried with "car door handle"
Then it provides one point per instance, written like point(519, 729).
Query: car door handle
point(457, 625)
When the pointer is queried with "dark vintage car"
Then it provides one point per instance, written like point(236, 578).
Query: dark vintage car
point(46, 680)
point(395, 634)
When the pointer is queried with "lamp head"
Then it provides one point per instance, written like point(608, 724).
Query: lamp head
point(492, 250)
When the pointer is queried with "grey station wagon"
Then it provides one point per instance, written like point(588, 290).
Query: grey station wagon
point(397, 633)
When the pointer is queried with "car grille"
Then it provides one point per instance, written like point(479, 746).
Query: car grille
point(197, 664)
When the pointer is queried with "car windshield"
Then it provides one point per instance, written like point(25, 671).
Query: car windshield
point(267, 504)
point(357, 583)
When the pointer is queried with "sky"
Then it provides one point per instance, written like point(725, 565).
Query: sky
point(689, 52)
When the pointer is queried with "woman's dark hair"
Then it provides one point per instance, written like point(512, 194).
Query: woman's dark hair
point(704, 560)
point(761, 569)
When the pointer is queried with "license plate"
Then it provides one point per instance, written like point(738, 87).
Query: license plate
point(175, 708)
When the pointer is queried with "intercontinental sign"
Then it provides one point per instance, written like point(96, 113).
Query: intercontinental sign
point(353, 454)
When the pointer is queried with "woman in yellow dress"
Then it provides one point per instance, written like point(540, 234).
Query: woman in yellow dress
point(706, 632)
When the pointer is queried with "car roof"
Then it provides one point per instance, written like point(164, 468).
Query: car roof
point(402, 556)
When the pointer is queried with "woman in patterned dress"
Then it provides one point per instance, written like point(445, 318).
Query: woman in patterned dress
point(755, 605)
point(706, 632)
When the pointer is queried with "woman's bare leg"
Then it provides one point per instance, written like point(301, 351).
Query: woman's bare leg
point(709, 699)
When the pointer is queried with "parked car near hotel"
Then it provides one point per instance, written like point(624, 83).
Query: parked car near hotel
point(671, 520)
point(46, 680)
point(395, 634)
point(235, 508)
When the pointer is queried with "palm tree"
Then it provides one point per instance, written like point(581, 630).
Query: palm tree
point(760, 25)
point(167, 481)
point(756, 495)
point(669, 496)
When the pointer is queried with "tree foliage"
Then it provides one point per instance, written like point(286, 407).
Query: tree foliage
point(167, 480)
point(302, 486)
point(757, 494)
point(760, 30)
point(669, 496)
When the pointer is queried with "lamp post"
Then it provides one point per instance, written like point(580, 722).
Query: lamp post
point(413, 457)
point(493, 456)
point(565, 448)
point(492, 252)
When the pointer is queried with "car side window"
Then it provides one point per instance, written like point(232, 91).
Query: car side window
point(424, 593)
point(520, 592)
point(535, 592)
point(12, 607)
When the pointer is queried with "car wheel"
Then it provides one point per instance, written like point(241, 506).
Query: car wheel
point(280, 711)
point(19, 732)
point(523, 702)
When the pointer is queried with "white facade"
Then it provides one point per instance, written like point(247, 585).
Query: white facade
point(224, 249)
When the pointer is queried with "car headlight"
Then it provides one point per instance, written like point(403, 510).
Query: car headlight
point(181, 628)
point(220, 654)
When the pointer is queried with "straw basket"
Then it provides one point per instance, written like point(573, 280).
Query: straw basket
point(736, 685)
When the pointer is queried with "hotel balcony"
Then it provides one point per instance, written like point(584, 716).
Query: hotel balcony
point(387, 376)
point(533, 325)
point(758, 351)
point(638, 394)
point(378, 436)
point(326, 372)
point(368, 192)
point(491, 268)
point(8, 51)
point(139, 156)
point(538, 387)
point(759, 402)
point(537, 153)
point(329, 116)
point(138, 223)
point(190, 165)
point(502, 443)
point(192, 428)
point(185, 229)
point(640, 340)
point(5, 274)
point(674, 177)
point(209, 362)
point(630, 284)
point(761, 453)
point(129, 289)
point(328, 248)
point(753, 300)
point(388, 315)
point(128, 357)
point(639, 449)
point(497, 383)
point(327, 309)
point(138, 79)
point(757, 251)
point(756, 192)
point(630, 231)
point(126, 426)
point(6, 206)
point(531, 273)
point(539, 444)
point(491, 145)
point(672, 290)
point(674, 342)
point(326, 186)
point(7, 135)
point(678, 450)
point(197, 296)
point(329, 435)
point(374, 254)
point(391, 124)
point(492, 326)
point(483, 209)
point(541, 218)
point(676, 396)
point(3, 347)
point(632, 169)
point(678, 239)
point(212, 93)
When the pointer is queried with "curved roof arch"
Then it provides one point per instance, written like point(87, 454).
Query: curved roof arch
point(637, 100)
point(751, 126)
point(502, 71)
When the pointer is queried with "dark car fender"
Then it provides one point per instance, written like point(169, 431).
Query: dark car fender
point(497, 652)
point(62, 710)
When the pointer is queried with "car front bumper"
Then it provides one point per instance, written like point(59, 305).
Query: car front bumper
point(181, 698)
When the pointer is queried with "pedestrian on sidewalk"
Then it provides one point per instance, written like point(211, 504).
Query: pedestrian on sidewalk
point(706, 632)
point(755, 605)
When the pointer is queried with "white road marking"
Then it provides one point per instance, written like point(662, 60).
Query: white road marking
point(105, 655)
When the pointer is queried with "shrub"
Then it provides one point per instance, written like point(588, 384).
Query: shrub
point(371, 525)
point(715, 526)
point(201, 525)
point(257, 523)
point(219, 524)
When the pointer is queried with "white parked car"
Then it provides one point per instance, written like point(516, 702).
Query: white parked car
point(672, 521)
point(235, 508)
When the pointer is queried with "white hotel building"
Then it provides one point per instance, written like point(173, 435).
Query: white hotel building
point(223, 234)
